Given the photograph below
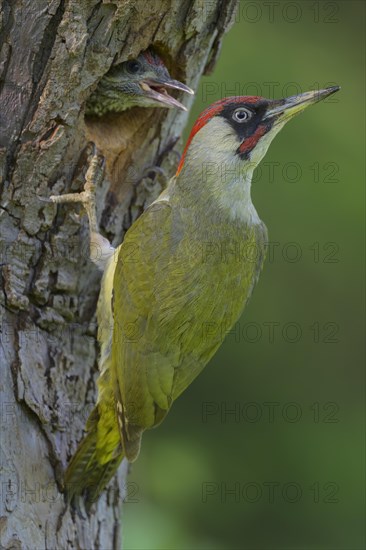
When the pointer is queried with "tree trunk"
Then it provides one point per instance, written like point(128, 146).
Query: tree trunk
point(53, 53)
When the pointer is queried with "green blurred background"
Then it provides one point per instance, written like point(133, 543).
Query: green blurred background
point(287, 475)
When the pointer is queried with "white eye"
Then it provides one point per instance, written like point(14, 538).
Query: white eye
point(241, 115)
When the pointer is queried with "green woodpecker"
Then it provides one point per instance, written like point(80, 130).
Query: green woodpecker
point(178, 282)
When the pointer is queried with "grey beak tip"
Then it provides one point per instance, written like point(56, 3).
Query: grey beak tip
point(333, 89)
point(185, 88)
point(179, 86)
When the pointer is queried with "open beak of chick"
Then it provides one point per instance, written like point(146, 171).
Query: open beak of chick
point(157, 90)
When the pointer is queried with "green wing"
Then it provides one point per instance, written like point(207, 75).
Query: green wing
point(171, 311)
point(145, 373)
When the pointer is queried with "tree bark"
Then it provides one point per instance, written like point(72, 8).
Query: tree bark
point(53, 53)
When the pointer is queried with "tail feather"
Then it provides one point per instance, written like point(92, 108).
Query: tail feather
point(85, 476)
point(107, 471)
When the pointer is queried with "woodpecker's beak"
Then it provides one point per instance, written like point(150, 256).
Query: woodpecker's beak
point(282, 110)
point(156, 90)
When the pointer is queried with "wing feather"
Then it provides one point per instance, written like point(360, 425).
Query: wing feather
point(168, 321)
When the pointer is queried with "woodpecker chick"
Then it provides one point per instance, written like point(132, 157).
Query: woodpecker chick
point(141, 82)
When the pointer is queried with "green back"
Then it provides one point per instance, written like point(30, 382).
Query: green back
point(179, 286)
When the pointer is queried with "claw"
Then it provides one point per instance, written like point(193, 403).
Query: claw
point(44, 199)
point(91, 146)
point(153, 169)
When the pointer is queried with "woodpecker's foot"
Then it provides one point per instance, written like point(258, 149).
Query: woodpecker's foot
point(100, 248)
point(93, 177)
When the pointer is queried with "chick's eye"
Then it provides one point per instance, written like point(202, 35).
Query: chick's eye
point(241, 115)
point(133, 66)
